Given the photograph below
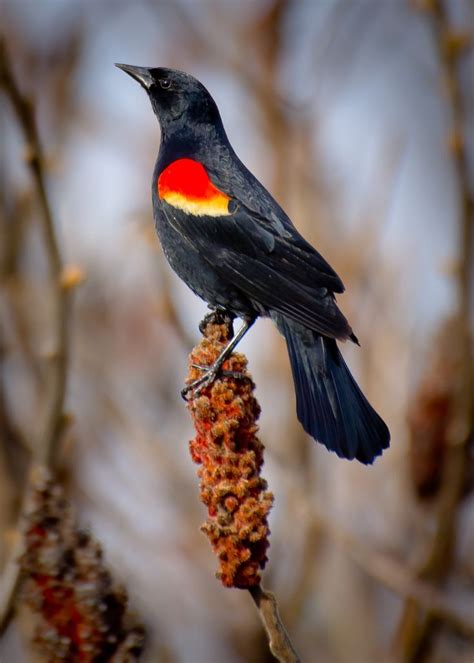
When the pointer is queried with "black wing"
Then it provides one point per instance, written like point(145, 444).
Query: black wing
point(278, 270)
point(234, 179)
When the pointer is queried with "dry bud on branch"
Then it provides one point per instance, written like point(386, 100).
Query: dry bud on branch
point(456, 43)
point(80, 613)
point(71, 276)
point(226, 445)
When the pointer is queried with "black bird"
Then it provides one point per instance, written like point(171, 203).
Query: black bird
point(234, 246)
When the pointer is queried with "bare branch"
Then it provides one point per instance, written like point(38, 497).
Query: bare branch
point(278, 639)
point(45, 451)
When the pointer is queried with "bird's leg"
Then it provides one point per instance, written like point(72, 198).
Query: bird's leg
point(211, 372)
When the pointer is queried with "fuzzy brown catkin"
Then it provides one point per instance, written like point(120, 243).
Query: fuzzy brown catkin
point(226, 446)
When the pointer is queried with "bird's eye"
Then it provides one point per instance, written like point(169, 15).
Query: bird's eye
point(165, 83)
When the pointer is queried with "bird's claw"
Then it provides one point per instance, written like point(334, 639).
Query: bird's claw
point(235, 375)
point(197, 386)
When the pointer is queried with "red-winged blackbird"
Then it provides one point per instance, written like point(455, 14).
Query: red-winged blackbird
point(233, 245)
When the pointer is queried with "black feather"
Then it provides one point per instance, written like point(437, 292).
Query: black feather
point(329, 403)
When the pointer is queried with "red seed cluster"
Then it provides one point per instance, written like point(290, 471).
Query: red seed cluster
point(432, 412)
point(231, 455)
point(80, 614)
point(428, 421)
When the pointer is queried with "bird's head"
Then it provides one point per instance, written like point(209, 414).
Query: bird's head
point(177, 98)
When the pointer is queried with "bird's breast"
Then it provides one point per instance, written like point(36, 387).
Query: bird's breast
point(185, 184)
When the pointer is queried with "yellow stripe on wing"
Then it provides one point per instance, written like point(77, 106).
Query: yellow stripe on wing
point(217, 205)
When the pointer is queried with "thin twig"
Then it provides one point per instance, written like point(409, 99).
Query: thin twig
point(46, 450)
point(11, 572)
point(278, 639)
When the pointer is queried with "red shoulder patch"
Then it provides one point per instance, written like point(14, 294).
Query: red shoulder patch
point(185, 184)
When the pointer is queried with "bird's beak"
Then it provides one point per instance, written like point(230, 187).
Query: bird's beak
point(140, 74)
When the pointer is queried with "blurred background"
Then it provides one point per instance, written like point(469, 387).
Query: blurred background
point(359, 118)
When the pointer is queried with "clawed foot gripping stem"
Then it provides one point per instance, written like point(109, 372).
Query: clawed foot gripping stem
point(211, 372)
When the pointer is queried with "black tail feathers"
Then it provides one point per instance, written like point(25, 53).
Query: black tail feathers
point(330, 404)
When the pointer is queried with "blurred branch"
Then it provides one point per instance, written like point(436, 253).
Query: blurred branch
point(45, 451)
point(382, 567)
point(223, 48)
point(416, 626)
point(15, 214)
point(278, 640)
point(12, 439)
point(396, 577)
